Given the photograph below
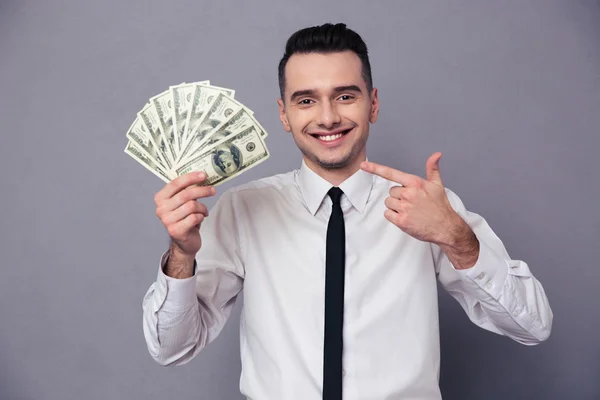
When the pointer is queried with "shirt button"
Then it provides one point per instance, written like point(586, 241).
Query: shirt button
point(489, 286)
point(481, 276)
point(343, 372)
point(515, 313)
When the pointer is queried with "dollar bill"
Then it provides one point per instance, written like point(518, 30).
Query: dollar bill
point(238, 121)
point(230, 158)
point(150, 120)
point(148, 162)
point(226, 91)
point(202, 99)
point(138, 134)
point(221, 109)
point(163, 104)
point(182, 100)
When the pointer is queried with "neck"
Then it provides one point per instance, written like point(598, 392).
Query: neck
point(336, 176)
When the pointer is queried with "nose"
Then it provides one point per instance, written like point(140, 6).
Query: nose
point(328, 115)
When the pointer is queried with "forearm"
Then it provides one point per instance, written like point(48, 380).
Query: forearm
point(182, 316)
point(173, 326)
point(497, 293)
point(501, 295)
point(171, 338)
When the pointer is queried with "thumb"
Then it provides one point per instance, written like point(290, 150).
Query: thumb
point(432, 168)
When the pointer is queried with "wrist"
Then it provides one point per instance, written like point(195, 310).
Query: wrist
point(460, 244)
point(456, 234)
point(180, 264)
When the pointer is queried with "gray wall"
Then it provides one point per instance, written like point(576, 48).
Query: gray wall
point(508, 90)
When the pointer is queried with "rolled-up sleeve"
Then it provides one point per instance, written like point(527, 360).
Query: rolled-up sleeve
point(182, 316)
point(498, 293)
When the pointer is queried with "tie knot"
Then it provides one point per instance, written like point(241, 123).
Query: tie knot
point(336, 194)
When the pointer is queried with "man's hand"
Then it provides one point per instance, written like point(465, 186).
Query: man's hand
point(420, 206)
point(182, 215)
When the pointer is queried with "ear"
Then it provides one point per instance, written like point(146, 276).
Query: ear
point(374, 106)
point(283, 116)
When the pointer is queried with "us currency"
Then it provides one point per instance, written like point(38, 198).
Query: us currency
point(239, 121)
point(230, 158)
point(138, 134)
point(150, 120)
point(221, 109)
point(182, 100)
point(163, 104)
point(226, 91)
point(201, 101)
point(139, 155)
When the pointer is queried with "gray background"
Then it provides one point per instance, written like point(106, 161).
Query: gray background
point(509, 91)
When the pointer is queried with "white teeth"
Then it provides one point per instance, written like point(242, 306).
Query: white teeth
point(329, 138)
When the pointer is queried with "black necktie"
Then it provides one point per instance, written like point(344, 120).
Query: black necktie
point(334, 299)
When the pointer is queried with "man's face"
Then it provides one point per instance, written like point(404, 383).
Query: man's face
point(328, 108)
point(227, 162)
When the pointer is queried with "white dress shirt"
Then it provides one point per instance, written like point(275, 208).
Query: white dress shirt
point(268, 237)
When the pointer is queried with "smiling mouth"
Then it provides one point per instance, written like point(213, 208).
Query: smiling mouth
point(330, 137)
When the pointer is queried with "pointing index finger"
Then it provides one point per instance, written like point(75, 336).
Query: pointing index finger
point(389, 173)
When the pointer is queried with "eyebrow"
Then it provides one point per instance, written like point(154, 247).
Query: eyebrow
point(337, 89)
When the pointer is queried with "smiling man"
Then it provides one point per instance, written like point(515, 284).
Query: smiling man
point(339, 259)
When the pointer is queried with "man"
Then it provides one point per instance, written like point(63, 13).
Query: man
point(338, 259)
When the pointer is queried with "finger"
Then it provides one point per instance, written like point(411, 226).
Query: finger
point(191, 221)
point(393, 204)
point(183, 227)
point(178, 184)
point(188, 208)
point(390, 174)
point(393, 217)
point(398, 192)
point(432, 167)
point(190, 193)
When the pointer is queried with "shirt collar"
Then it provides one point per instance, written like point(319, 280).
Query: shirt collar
point(357, 188)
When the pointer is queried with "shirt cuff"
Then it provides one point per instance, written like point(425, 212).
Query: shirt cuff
point(175, 295)
point(488, 274)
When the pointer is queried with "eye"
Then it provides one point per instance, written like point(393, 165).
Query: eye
point(346, 97)
point(305, 102)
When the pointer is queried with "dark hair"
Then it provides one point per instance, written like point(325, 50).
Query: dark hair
point(326, 38)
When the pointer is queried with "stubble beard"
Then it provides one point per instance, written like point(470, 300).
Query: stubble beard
point(342, 162)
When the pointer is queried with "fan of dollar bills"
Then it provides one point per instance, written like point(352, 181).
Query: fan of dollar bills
point(196, 127)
